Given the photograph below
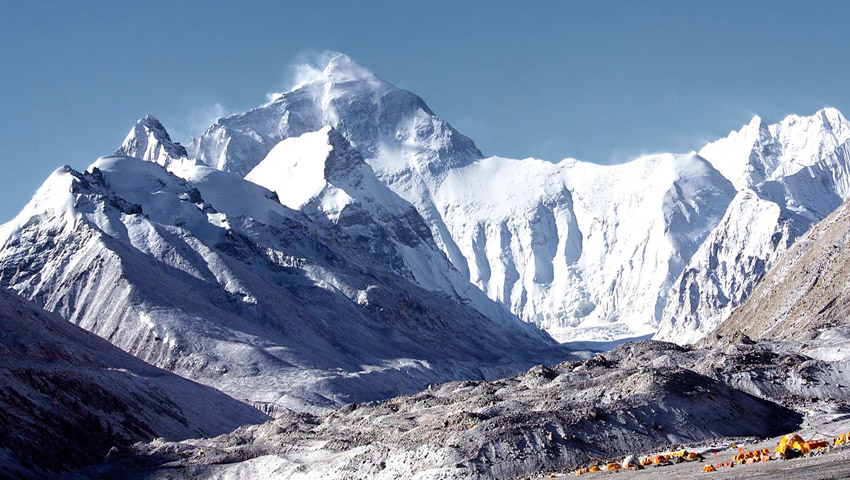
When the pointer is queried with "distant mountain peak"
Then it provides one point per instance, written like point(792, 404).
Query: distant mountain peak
point(149, 141)
point(831, 118)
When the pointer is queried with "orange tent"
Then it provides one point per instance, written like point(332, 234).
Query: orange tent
point(816, 444)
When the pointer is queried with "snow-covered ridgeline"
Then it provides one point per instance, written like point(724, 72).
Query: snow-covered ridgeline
point(208, 275)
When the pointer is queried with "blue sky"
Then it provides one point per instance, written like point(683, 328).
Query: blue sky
point(602, 81)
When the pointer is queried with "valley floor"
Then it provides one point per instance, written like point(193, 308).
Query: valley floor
point(834, 464)
point(637, 399)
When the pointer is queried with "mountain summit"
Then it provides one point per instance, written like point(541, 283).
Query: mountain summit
point(149, 141)
point(381, 120)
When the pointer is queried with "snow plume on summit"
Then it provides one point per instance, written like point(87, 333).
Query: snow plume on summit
point(307, 68)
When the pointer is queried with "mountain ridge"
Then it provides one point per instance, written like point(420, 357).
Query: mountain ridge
point(68, 396)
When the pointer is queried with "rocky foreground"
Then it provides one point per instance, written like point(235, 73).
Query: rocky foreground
point(635, 399)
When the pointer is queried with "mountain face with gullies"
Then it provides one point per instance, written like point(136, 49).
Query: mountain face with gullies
point(578, 249)
point(343, 243)
point(790, 176)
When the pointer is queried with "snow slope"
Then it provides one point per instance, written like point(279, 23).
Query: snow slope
point(209, 276)
point(67, 396)
point(322, 175)
point(792, 175)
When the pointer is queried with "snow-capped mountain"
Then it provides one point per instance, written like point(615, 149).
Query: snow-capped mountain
point(393, 129)
point(804, 297)
point(791, 175)
point(587, 252)
point(208, 275)
point(67, 396)
point(584, 251)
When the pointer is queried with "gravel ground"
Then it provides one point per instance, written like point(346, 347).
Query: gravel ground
point(832, 464)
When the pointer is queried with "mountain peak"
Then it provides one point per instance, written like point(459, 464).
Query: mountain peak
point(149, 141)
point(756, 123)
point(341, 68)
point(151, 121)
point(831, 117)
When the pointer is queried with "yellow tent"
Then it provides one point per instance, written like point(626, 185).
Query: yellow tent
point(794, 442)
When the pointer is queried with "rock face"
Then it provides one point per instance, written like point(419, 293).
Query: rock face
point(67, 396)
point(723, 271)
point(805, 296)
point(634, 400)
point(209, 276)
point(791, 175)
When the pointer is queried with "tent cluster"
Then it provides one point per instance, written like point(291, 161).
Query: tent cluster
point(633, 463)
point(790, 446)
point(752, 456)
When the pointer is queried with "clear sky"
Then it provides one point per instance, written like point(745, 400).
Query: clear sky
point(602, 81)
